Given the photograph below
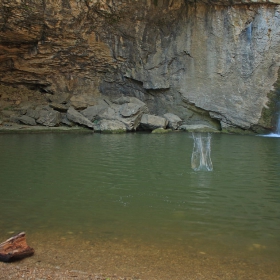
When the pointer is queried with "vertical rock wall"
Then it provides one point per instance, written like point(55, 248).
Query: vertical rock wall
point(207, 62)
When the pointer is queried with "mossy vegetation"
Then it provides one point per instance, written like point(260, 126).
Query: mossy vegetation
point(161, 130)
point(116, 131)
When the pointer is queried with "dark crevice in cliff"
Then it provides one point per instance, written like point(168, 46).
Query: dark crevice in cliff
point(202, 112)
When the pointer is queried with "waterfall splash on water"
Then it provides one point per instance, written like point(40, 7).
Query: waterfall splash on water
point(277, 130)
point(201, 160)
point(278, 127)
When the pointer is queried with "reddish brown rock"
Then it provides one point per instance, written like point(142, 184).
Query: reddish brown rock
point(15, 248)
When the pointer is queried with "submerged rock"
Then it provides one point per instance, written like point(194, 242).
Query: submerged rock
point(151, 122)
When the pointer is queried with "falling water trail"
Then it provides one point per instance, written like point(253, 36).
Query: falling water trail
point(276, 134)
point(201, 155)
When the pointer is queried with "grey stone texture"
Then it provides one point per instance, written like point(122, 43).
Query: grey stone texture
point(27, 120)
point(92, 112)
point(212, 61)
point(197, 128)
point(173, 120)
point(49, 117)
point(151, 122)
point(110, 126)
point(78, 118)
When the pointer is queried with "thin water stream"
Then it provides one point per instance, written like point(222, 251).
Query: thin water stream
point(130, 203)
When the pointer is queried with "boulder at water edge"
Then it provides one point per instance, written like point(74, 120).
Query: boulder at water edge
point(131, 114)
point(26, 120)
point(173, 120)
point(78, 118)
point(92, 112)
point(49, 117)
point(151, 122)
point(110, 126)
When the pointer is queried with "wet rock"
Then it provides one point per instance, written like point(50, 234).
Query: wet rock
point(78, 118)
point(151, 122)
point(92, 112)
point(26, 120)
point(110, 126)
point(173, 120)
point(49, 117)
point(197, 128)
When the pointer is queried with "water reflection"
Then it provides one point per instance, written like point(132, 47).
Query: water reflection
point(201, 160)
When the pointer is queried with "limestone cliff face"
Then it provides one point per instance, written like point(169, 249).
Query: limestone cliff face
point(207, 61)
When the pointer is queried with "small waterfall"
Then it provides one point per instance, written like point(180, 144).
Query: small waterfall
point(201, 160)
point(277, 131)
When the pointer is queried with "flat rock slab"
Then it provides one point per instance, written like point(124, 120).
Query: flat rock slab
point(15, 248)
point(197, 128)
point(27, 120)
point(78, 118)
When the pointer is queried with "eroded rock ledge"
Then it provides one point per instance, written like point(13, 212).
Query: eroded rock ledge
point(209, 62)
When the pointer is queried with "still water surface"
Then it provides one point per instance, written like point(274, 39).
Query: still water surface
point(141, 187)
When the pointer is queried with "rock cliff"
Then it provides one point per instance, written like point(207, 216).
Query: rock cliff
point(206, 61)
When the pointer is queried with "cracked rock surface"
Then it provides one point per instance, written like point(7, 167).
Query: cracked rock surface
point(209, 62)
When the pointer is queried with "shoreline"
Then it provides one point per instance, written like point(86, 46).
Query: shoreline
point(8, 127)
point(17, 128)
